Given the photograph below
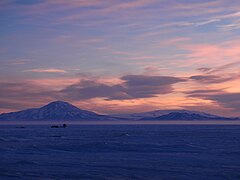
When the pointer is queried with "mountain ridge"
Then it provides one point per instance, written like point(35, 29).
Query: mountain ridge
point(188, 115)
point(158, 113)
point(60, 110)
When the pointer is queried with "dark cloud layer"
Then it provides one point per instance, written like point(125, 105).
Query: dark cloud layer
point(230, 100)
point(212, 79)
point(224, 67)
point(218, 74)
point(21, 95)
point(134, 86)
point(201, 91)
point(204, 69)
point(225, 99)
point(218, 69)
point(139, 80)
point(88, 89)
point(16, 95)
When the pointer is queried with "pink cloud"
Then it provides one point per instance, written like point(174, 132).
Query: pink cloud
point(46, 70)
point(212, 54)
point(128, 5)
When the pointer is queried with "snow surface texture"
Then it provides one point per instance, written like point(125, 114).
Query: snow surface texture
point(120, 152)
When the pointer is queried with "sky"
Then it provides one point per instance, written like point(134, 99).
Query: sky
point(121, 56)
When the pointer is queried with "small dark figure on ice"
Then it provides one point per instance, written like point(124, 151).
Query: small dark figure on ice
point(59, 126)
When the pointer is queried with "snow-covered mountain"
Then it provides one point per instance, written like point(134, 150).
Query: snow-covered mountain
point(171, 115)
point(57, 110)
point(187, 115)
point(60, 110)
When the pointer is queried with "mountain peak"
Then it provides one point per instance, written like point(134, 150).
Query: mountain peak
point(172, 114)
point(60, 105)
point(187, 115)
point(60, 110)
point(59, 102)
point(57, 110)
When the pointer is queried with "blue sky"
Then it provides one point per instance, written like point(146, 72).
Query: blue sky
point(60, 50)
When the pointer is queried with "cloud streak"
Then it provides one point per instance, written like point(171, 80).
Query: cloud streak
point(213, 79)
point(51, 70)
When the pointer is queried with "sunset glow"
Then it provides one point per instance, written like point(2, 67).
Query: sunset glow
point(121, 56)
